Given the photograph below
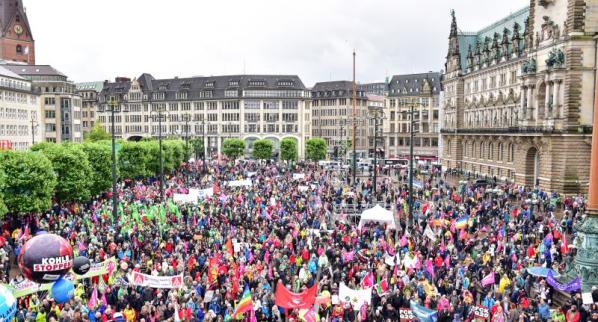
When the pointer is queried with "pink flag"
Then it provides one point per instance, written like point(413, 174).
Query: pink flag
point(270, 271)
point(103, 299)
point(368, 280)
point(430, 268)
point(93, 300)
point(488, 280)
point(403, 241)
point(447, 261)
point(252, 317)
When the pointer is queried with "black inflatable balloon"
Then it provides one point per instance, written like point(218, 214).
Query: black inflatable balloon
point(81, 265)
point(45, 258)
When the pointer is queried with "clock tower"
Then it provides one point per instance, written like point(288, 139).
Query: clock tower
point(16, 40)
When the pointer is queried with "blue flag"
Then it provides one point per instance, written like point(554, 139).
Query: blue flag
point(423, 314)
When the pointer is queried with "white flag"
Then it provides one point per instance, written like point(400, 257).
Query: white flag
point(430, 234)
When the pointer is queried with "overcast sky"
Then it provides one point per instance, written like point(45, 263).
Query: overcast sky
point(97, 40)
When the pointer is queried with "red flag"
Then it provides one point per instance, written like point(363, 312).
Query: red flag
point(289, 300)
point(368, 280)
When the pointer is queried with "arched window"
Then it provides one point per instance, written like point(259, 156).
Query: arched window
point(448, 147)
point(481, 150)
point(491, 151)
point(19, 49)
point(500, 152)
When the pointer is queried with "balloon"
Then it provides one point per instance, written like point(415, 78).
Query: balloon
point(45, 258)
point(81, 265)
point(63, 290)
point(41, 232)
point(8, 304)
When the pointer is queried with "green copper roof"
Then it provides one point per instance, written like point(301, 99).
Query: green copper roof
point(88, 86)
point(467, 39)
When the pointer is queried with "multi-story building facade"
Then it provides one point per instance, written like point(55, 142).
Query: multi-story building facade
point(248, 107)
point(519, 96)
point(16, 40)
point(19, 111)
point(89, 97)
point(421, 91)
point(376, 115)
point(373, 88)
point(60, 118)
point(333, 119)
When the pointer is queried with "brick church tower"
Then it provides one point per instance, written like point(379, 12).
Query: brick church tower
point(16, 40)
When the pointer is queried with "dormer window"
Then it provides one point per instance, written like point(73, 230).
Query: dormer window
point(234, 83)
point(286, 83)
point(209, 85)
point(162, 87)
point(257, 83)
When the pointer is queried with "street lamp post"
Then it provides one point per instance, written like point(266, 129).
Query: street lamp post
point(114, 105)
point(186, 119)
point(354, 124)
point(33, 126)
point(412, 138)
point(203, 144)
point(159, 114)
point(376, 115)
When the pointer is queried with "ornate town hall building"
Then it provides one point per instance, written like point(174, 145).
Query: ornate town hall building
point(519, 96)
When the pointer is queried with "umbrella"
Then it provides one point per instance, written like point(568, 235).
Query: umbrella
point(541, 271)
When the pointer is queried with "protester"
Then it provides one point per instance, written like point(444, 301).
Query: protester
point(462, 249)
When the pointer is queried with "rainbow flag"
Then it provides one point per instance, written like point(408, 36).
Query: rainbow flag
point(245, 304)
point(461, 223)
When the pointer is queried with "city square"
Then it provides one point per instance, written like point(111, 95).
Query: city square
point(456, 182)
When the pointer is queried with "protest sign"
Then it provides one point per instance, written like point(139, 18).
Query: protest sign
point(139, 279)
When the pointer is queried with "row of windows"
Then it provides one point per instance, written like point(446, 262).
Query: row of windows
point(14, 130)
point(490, 82)
point(14, 113)
point(417, 142)
point(338, 102)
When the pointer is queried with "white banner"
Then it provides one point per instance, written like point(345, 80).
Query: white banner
point(298, 176)
point(139, 279)
point(355, 297)
point(239, 183)
point(429, 233)
point(193, 196)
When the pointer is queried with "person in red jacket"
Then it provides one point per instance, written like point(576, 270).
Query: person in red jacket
point(572, 315)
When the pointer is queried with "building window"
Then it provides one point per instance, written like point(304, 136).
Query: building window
point(19, 49)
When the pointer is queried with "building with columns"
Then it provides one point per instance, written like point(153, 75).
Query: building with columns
point(519, 96)
point(421, 91)
point(60, 118)
point(19, 112)
point(248, 107)
point(332, 116)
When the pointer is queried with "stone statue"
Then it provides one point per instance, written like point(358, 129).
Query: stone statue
point(529, 66)
point(556, 58)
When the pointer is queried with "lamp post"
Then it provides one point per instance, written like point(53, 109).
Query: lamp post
point(159, 115)
point(34, 125)
point(203, 144)
point(114, 105)
point(354, 123)
point(186, 119)
point(376, 115)
point(412, 138)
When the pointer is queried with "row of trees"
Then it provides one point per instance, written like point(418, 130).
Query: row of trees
point(263, 149)
point(76, 172)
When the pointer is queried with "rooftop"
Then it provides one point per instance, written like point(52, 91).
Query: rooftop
point(89, 86)
point(30, 70)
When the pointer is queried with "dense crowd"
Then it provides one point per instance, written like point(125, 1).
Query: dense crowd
point(301, 231)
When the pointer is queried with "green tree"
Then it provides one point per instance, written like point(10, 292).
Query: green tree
point(233, 148)
point(3, 208)
point(134, 159)
point(97, 133)
point(99, 157)
point(196, 146)
point(73, 171)
point(315, 149)
point(41, 146)
point(262, 149)
point(29, 181)
point(173, 152)
point(288, 149)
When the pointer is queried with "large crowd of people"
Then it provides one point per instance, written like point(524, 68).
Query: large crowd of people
point(303, 231)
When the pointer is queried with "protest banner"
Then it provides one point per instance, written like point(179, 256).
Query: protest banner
point(569, 287)
point(27, 287)
point(139, 279)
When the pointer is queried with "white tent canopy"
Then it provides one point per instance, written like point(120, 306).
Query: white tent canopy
point(377, 214)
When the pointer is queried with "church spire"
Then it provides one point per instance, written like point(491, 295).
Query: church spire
point(453, 25)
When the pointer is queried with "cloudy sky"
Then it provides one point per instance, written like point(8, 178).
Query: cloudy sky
point(97, 40)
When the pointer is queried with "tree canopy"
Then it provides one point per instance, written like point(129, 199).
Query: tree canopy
point(315, 149)
point(262, 149)
point(288, 149)
point(233, 148)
